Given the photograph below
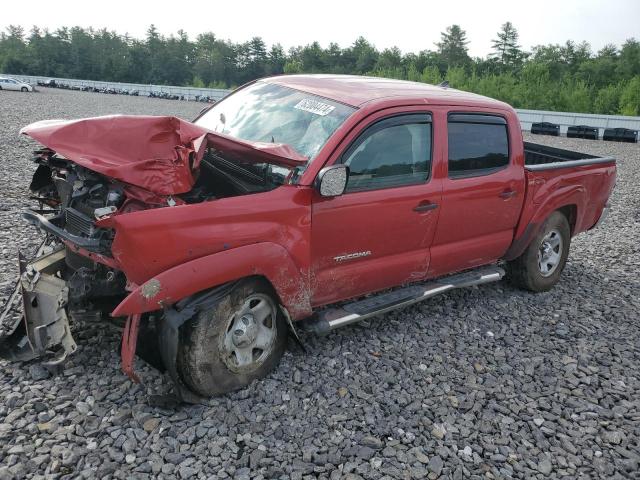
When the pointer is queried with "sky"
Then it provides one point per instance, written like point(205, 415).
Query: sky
point(408, 24)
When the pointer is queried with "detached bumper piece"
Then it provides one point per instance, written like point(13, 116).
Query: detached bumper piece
point(128, 348)
point(49, 226)
point(44, 326)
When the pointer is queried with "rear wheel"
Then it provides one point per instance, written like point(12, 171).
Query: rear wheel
point(539, 268)
point(238, 340)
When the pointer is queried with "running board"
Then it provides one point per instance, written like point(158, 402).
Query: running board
point(332, 318)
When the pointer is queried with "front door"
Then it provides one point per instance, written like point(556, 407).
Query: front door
point(377, 234)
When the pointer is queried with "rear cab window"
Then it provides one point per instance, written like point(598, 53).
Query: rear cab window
point(478, 144)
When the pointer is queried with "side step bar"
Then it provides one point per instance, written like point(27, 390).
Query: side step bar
point(353, 312)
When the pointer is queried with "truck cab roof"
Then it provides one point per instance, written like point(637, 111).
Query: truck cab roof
point(357, 91)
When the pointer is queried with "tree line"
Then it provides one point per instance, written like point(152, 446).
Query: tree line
point(569, 77)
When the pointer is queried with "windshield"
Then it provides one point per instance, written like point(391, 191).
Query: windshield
point(265, 112)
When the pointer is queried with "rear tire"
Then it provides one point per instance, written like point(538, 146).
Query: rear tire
point(539, 268)
point(238, 340)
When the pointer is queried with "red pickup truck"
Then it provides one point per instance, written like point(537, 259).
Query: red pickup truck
point(324, 199)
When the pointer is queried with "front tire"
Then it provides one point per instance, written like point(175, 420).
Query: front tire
point(238, 340)
point(539, 268)
point(24, 89)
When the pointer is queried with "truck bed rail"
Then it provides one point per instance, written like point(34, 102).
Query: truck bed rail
point(541, 157)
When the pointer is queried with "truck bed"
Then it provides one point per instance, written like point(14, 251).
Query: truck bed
point(542, 157)
point(556, 178)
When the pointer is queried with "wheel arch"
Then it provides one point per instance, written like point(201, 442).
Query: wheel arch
point(520, 244)
point(268, 261)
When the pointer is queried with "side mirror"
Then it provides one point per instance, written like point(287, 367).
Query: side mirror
point(332, 180)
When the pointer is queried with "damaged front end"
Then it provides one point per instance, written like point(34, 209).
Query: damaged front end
point(94, 174)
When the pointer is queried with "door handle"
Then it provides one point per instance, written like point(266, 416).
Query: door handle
point(425, 207)
point(507, 194)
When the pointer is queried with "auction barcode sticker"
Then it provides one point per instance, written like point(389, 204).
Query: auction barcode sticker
point(314, 106)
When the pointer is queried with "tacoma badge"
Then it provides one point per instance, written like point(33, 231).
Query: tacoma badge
point(351, 256)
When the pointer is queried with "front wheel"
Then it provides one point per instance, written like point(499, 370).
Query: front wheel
point(238, 340)
point(24, 89)
point(538, 269)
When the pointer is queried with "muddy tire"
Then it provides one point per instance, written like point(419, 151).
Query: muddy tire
point(233, 343)
point(539, 268)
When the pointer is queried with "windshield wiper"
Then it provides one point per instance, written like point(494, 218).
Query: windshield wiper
point(234, 168)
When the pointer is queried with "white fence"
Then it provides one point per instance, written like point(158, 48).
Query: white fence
point(189, 93)
point(566, 119)
point(527, 117)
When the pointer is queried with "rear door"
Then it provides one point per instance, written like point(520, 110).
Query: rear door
point(483, 193)
point(377, 234)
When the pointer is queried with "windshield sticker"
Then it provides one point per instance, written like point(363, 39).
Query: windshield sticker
point(314, 106)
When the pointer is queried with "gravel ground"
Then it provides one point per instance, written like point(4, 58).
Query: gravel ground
point(487, 382)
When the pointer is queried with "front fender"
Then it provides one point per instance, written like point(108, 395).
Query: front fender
point(266, 259)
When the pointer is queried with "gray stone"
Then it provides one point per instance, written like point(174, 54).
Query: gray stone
point(614, 437)
point(371, 441)
point(365, 453)
point(121, 416)
point(435, 465)
point(151, 424)
point(187, 472)
point(255, 457)
point(38, 372)
point(174, 458)
point(83, 408)
point(544, 466)
point(421, 457)
point(438, 431)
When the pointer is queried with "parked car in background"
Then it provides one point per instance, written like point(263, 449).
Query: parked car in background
point(7, 83)
point(316, 198)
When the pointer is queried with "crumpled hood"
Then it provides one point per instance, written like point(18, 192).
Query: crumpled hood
point(159, 154)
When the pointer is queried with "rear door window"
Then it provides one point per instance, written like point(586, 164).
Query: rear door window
point(478, 145)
